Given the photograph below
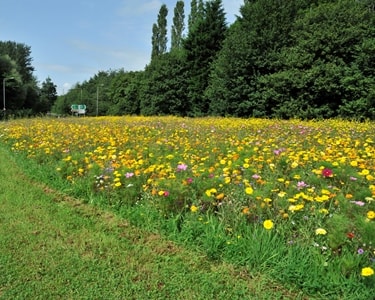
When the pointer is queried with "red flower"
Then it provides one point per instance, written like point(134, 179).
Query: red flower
point(350, 235)
point(327, 172)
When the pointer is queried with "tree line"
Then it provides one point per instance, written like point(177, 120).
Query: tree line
point(279, 59)
point(24, 96)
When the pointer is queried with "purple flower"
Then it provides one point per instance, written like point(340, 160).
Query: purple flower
point(360, 251)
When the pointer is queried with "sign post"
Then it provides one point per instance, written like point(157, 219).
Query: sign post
point(78, 109)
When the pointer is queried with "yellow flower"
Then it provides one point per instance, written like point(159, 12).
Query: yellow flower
point(193, 208)
point(268, 224)
point(210, 192)
point(297, 207)
point(320, 231)
point(364, 172)
point(118, 184)
point(249, 190)
point(367, 271)
point(371, 214)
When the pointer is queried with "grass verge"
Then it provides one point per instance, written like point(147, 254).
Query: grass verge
point(56, 247)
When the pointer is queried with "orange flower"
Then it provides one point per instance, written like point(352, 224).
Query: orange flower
point(246, 211)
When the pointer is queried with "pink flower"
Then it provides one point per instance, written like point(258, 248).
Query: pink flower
point(166, 193)
point(129, 174)
point(189, 180)
point(359, 203)
point(182, 167)
point(327, 172)
point(301, 185)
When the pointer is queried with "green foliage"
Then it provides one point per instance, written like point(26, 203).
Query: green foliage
point(48, 97)
point(124, 91)
point(289, 59)
point(163, 90)
point(159, 33)
point(178, 26)
point(250, 51)
point(296, 60)
point(24, 96)
point(202, 45)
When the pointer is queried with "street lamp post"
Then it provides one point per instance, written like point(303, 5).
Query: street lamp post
point(4, 106)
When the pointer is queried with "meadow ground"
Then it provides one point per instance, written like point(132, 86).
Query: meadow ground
point(247, 203)
point(54, 246)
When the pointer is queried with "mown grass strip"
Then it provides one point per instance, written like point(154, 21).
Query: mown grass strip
point(56, 247)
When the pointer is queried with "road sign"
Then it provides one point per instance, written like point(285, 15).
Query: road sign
point(78, 109)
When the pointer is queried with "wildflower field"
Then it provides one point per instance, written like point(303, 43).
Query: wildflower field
point(292, 198)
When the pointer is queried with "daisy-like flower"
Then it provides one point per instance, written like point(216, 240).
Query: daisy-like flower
point(371, 214)
point(249, 190)
point(368, 271)
point(268, 224)
point(327, 172)
point(320, 231)
point(193, 208)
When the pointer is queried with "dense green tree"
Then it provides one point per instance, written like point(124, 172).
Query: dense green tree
point(163, 90)
point(124, 93)
point(48, 96)
point(22, 90)
point(250, 51)
point(325, 71)
point(196, 13)
point(178, 26)
point(202, 45)
point(159, 33)
point(21, 55)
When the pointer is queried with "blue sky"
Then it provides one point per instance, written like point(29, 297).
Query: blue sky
point(72, 40)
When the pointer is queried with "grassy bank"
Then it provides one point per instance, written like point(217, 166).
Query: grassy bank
point(55, 247)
